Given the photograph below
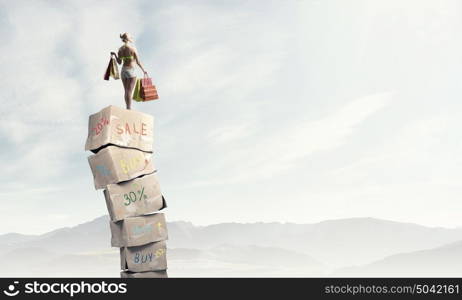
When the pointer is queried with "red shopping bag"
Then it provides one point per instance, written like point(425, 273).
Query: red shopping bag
point(108, 70)
point(148, 91)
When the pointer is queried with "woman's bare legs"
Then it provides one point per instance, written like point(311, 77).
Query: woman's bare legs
point(125, 83)
point(129, 84)
point(128, 95)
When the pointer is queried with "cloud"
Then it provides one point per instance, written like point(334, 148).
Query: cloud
point(210, 55)
point(232, 133)
point(279, 151)
point(333, 130)
point(408, 155)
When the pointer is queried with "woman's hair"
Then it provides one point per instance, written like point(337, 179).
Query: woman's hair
point(125, 37)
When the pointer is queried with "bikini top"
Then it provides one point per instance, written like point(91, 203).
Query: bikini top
point(126, 57)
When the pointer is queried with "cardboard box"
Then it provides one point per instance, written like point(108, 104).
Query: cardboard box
point(137, 197)
point(154, 274)
point(113, 164)
point(117, 126)
point(149, 257)
point(139, 231)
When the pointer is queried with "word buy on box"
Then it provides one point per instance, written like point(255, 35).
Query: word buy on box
point(137, 231)
point(120, 127)
point(149, 257)
point(113, 164)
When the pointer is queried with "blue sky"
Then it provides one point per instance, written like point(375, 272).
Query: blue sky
point(290, 111)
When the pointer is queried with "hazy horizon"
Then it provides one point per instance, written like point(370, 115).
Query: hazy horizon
point(354, 247)
point(243, 223)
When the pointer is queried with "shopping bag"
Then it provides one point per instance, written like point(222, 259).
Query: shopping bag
point(114, 69)
point(136, 91)
point(147, 90)
point(108, 70)
point(146, 81)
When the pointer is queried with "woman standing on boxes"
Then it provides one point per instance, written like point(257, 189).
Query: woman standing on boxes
point(128, 55)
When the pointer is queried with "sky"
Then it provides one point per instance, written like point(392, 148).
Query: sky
point(269, 111)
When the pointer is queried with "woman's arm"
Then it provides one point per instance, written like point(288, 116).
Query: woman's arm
point(135, 53)
point(119, 61)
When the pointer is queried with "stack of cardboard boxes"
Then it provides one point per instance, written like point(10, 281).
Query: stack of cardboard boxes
point(122, 141)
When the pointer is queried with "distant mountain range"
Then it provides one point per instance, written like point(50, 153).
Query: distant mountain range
point(345, 247)
point(445, 261)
